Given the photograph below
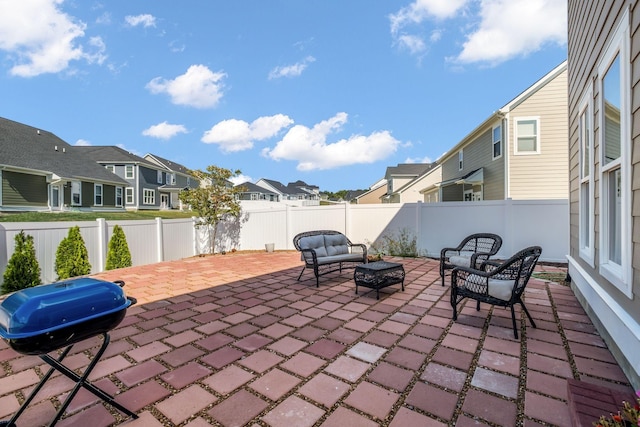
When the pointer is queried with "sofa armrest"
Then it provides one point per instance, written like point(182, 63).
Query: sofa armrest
point(305, 256)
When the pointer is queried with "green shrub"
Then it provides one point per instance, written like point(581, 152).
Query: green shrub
point(118, 255)
point(22, 270)
point(402, 243)
point(72, 258)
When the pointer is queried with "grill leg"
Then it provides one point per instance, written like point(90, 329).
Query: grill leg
point(11, 422)
point(81, 381)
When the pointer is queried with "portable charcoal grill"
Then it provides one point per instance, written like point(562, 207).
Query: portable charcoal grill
point(45, 318)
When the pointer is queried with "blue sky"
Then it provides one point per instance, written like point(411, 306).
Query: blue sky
point(330, 92)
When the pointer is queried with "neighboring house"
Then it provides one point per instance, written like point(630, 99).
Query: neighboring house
point(142, 176)
point(299, 191)
point(255, 193)
point(39, 171)
point(173, 180)
point(399, 177)
point(604, 170)
point(373, 195)
point(519, 152)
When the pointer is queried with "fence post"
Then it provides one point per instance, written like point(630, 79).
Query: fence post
point(287, 219)
point(347, 219)
point(418, 225)
point(159, 240)
point(103, 241)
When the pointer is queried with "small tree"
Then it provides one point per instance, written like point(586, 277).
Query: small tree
point(23, 270)
point(215, 200)
point(118, 255)
point(72, 258)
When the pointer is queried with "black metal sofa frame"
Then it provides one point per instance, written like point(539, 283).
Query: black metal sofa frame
point(326, 251)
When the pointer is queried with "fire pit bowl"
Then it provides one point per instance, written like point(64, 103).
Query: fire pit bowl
point(44, 318)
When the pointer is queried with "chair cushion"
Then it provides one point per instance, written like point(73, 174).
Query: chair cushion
point(336, 244)
point(501, 289)
point(461, 260)
point(313, 242)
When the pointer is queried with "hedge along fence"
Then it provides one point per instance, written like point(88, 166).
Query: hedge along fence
point(520, 223)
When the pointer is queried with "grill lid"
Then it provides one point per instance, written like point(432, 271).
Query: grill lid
point(45, 308)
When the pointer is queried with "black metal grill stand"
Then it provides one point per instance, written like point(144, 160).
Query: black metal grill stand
point(80, 380)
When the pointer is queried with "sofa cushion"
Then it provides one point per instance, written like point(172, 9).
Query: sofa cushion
point(497, 288)
point(463, 259)
point(336, 244)
point(340, 258)
point(313, 242)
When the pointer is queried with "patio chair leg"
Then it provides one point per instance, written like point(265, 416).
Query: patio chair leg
point(513, 319)
point(299, 276)
point(528, 315)
point(477, 305)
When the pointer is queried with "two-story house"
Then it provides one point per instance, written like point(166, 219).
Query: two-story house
point(172, 180)
point(519, 152)
point(399, 179)
point(298, 192)
point(251, 191)
point(604, 171)
point(41, 172)
point(141, 176)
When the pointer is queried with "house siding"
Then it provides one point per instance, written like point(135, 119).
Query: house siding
point(19, 189)
point(86, 193)
point(543, 175)
point(372, 196)
point(591, 25)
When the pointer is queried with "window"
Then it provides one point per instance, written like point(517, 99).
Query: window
point(615, 159)
point(129, 195)
point(188, 181)
point(460, 160)
point(75, 193)
point(97, 194)
point(496, 137)
point(128, 172)
point(111, 168)
point(586, 196)
point(173, 179)
point(148, 197)
point(159, 179)
point(119, 196)
point(527, 135)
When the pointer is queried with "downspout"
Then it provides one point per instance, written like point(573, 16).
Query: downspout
point(505, 155)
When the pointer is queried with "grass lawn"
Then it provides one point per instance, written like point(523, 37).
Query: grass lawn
point(90, 216)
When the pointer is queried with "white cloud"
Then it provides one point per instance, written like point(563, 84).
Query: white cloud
point(82, 143)
point(240, 179)
point(41, 38)
point(145, 20)
point(164, 130)
point(511, 28)
point(237, 135)
point(309, 147)
point(426, 159)
point(291, 70)
point(502, 29)
point(199, 87)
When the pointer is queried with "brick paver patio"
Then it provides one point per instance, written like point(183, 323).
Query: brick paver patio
point(236, 340)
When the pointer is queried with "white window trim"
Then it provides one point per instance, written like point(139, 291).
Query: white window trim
point(493, 142)
point(586, 249)
point(119, 190)
point(159, 176)
point(460, 160)
point(129, 190)
point(515, 136)
point(621, 276)
point(111, 168)
point(173, 179)
point(148, 193)
point(79, 185)
point(126, 172)
point(95, 194)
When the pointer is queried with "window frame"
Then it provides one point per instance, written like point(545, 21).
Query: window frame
point(148, 196)
point(461, 159)
point(111, 168)
point(159, 176)
point(516, 150)
point(620, 275)
point(586, 208)
point(76, 185)
point(494, 142)
point(119, 197)
point(96, 195)
point(129, 196)
point(128, 172)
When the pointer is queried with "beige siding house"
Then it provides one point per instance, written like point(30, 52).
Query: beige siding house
point(376, 191)
point(519, 152)
point(399, 179)
point(604, 171)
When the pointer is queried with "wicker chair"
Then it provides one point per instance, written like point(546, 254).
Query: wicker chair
point(500, 284)
point(471, 252)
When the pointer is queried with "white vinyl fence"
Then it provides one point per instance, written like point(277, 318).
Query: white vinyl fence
point(435, 225)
